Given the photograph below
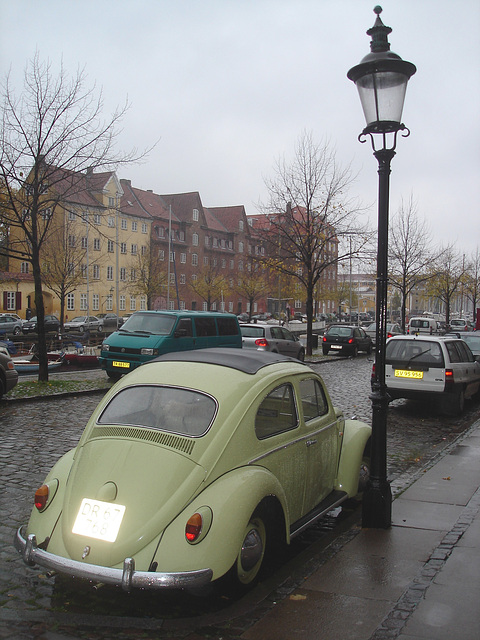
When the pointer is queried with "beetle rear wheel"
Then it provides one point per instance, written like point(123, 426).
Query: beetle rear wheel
point(248, 563)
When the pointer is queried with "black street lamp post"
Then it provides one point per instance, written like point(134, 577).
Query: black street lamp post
point(381, 79)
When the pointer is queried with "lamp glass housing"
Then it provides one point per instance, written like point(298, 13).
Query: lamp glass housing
point(382, 94)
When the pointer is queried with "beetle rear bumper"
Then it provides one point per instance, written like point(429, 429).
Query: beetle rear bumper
point(127, 577)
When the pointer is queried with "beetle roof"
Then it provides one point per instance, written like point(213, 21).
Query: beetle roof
point(248, 360)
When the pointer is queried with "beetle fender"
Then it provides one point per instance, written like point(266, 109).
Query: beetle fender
point(355, 437)
point(232, 499)
point(41, 523)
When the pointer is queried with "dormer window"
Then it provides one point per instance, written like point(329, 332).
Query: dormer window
point(195, 215)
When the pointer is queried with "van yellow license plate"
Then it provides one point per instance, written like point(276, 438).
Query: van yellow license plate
point(401, 373)
point(123, 365)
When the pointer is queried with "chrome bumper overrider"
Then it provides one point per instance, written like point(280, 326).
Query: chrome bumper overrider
point(127, 577)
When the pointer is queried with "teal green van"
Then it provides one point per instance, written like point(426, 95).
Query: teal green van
point(148, 334)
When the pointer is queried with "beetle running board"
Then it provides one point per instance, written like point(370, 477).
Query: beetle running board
point(333, 500)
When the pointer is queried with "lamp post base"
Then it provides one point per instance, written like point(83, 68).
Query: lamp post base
point(377, 506)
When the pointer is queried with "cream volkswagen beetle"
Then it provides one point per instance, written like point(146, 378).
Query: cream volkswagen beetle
point(191, 468)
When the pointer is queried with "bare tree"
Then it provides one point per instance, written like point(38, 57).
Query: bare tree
point(209, 285)
point(251, 284)
point(472, 282)
point(52, 137)
point(411, 252)
point(150, 276)
point(447, 275)
point(308, 212)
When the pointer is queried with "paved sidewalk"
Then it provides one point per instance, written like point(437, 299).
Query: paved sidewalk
point(419, 580)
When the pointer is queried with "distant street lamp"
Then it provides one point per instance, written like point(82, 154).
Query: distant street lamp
point(381, 79)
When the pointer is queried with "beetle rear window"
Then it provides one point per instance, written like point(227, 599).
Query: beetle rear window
point(182, 411)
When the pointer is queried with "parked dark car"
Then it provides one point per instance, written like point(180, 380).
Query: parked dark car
point(109, 321)
point(346, 340)
point(393, 329)
point(52, 323)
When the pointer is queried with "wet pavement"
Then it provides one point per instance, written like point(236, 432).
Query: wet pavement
point(337, 577)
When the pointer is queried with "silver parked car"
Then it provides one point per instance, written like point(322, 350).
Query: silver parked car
point(10, 324)
point(267, 337)
point(83, 323)
point(393, 329)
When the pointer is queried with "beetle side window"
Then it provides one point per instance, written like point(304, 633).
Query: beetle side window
point(277, 413)
point(314, 402)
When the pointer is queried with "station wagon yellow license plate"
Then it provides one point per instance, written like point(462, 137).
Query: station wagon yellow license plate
point(97, 519)
point(122, 365)
point(401, 373)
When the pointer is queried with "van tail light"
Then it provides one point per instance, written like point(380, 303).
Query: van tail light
point(261, 342)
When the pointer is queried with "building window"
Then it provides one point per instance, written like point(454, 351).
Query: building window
point(240, 225)
point(207, 241)
point(134, 225)
point(122, 303)
point(160, 232)
point(83, 302)
point(24, 267)
point(111, 221)
point(195, 239)
point(134, 249)
point(183, 258)
point(96, 272)
point(204, 306)
point(172, 278)
point(195, 259)
point(111, 202)
point(133, 303)
point(123, 274)
point(70, 301)
point(240, 247)
point(96, 244)
point(133, 274)
point(183, 278)
point(11, 301)
point(181, 236)
point(109, 273)
point(71, 216)
point(123, 224)
point(161, 254)
point(144, 250)
point(71, 241)
point(143, 302)
point(97, 218)
point(110, 246)
point(123, 247)
point(84, 242)
point(110, 303)
point(144, 227)
point(205, 261)
point(195, 215)
point(95, 302)
point(232, 264)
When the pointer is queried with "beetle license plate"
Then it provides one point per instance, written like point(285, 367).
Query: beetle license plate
point(400, 373)
point(122, 365)
point(97, 519)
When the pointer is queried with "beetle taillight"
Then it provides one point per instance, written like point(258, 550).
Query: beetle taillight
point(41, 497)
point(261, 342)
point(193, 527)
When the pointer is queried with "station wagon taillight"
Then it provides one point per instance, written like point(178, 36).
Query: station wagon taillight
point(448, 374)
point(261, 342)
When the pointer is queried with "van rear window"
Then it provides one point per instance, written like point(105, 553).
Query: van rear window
point(227, 327)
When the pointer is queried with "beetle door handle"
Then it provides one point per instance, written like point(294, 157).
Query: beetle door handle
point(310, 442)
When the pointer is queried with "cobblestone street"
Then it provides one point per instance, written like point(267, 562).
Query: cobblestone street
point(35, 434)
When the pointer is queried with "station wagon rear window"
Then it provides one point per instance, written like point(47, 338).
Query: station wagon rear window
point(175, 410)
point(410, 353)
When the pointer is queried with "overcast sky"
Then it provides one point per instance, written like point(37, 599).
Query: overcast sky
point(228, 86)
